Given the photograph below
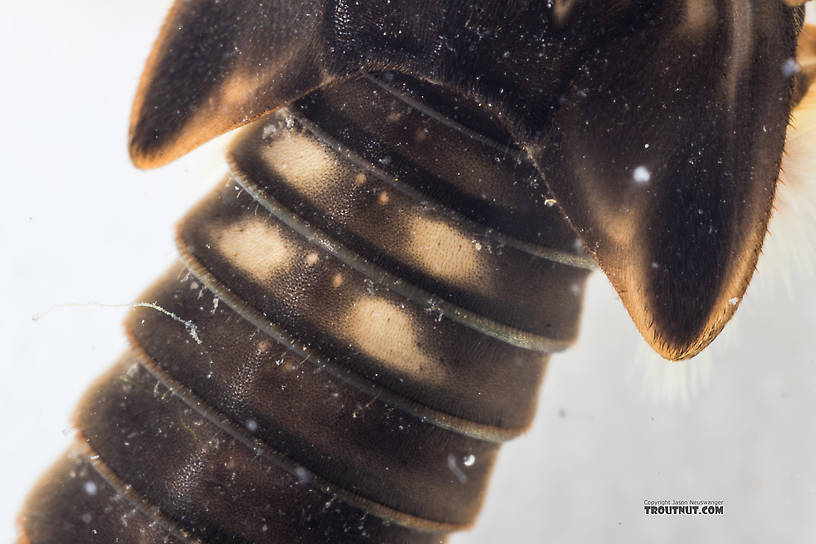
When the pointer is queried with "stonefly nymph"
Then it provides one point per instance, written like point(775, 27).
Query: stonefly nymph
point(363, 311)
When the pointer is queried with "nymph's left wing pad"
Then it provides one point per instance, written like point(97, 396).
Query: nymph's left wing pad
point(220, 64)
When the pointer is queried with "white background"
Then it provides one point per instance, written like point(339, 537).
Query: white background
point(79, 225)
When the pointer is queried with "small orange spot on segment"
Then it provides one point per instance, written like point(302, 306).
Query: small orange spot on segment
point(359, 179)
point(421, 134)
point(337, 280)
point(393, 117)
point(383, 198)
point(312, 258)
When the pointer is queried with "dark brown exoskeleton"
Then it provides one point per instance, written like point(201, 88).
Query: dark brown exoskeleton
point(364, 310)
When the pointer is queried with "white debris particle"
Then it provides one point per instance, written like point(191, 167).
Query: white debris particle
point(192, 330)
point(578, 245)
point(641, 174)
point(655, 265)
point(86, 518)
point(90, 488)
point(790, 67)
point(550, 202)
point(269, 130)
point(575, 289)
point(469, 460)
point(302, 475)
point(733, 301)
point(457, 471)
point(251, 425)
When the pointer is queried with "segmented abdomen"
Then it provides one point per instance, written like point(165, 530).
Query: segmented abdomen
point(361, 315)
